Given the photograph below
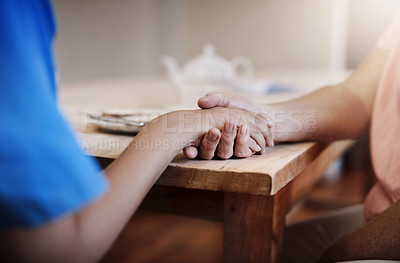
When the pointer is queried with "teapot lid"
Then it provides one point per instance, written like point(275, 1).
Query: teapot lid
point(208, 66)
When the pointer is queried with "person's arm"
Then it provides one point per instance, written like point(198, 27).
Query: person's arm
point(330, 113)
point(333, 112)
point(86, 235)
point(378, 239)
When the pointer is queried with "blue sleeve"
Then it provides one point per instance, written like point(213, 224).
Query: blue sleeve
point(44, 174)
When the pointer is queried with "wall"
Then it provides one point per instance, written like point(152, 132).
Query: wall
point(105, 38)
point(367, 21)
point(272, 33)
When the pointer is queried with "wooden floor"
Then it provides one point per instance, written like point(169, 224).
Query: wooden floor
point(159, 237)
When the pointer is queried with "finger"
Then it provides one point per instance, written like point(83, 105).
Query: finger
point(242, 142)
point(264, 131)
point(257, 135)
point(225, 147)
point(270, 124)
point(228, 100)
point(190, 152)
point(209, 144)
point(268, 120)
point(254, 146)
point(211, 100)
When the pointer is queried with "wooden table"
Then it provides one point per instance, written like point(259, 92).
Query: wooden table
point(251, 197)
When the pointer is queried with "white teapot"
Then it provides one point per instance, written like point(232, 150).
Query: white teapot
point(208, 69)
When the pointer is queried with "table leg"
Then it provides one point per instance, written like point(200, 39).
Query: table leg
point(253, 228)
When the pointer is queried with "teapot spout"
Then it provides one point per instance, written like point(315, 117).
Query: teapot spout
point(172, 69)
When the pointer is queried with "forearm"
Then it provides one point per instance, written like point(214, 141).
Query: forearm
point(334, 112)
point(86, 235)
point(131, 176)
point(327, 114)
point(378, 239)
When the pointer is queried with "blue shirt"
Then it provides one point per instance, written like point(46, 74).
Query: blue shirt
point(44, 174)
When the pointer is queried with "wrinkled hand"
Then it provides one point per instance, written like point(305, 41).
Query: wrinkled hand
point(232, 131)
point(228, 141)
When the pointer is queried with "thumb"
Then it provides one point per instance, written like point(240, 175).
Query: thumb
point(211, 100)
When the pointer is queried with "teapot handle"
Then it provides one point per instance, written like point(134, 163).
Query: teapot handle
point(246, 63)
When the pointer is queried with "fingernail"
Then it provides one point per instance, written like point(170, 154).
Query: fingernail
point(258, 148)
point(228, 127)
point(267, 120)
point(203, 100)
point(212, 137)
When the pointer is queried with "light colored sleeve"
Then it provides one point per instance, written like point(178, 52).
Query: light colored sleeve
point(391, 35)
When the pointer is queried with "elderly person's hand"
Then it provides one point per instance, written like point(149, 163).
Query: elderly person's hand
point(230, 141)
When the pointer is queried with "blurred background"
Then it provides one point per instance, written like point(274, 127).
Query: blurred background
point(124, 38)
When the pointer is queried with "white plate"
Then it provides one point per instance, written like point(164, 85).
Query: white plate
point(122, 120)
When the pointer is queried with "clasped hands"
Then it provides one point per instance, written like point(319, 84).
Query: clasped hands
point(237, 137)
